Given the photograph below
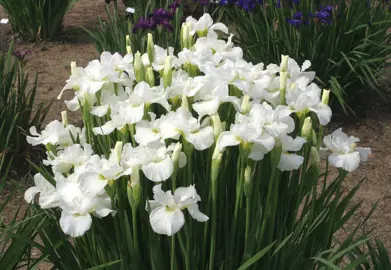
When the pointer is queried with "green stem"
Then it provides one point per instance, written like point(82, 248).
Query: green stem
point(214, 176)
point(135, 234)
point(172, 261)
point(184, 251)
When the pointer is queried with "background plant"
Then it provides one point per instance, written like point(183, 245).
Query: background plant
point(36, 19)
point(17, 113)
point(346, 41)
point(160, 18)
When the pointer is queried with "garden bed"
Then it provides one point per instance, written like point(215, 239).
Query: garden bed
point(51, 60)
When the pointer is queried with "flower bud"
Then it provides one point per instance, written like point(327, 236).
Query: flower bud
point(176, 156)
point(138, 67)
point(64, 117)
point(73, 68)
point(284, 63)
point(246, 105)
point(185, 102)
point(167, 73)
point(306, 129)
point(275, 154)
point(185, 36)
point(314, 155)
point(283, 81)
point(150, 48)
point(128, 45)
point(247, 180)
point(217, 127)
point(133, 188)
point(150, 77)
point(314, 138)
point(118, 150)
point(326, 96)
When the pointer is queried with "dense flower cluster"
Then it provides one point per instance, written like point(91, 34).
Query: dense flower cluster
point(189, 88)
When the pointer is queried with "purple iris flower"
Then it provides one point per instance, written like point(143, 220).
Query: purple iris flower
point(296, 2)
point(246, 5)
point(144, 23)
point(21, 54)
point(297, 20)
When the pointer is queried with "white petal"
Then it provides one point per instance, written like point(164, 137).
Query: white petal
point(323, 112)
point(42, 183)
point(220, 26)
point(92, 184)
point(100, 110)
point(348, 162)
point(152, 204)
point(305, 65)
point(73, 104)
point(257, 152)
point(132, 114)
point(48, 200)
point(75, 225)
point(145, 134)
point(267, 141)
point(166, 221)
point(161, 197)
point(106, 129)
point(364, 152)
point(30, 194)
point(225, 139)
point(159, 171)
point(290, 144)
point(202, 139)
point(289, 162)
point(206, 107)
point(196, 213)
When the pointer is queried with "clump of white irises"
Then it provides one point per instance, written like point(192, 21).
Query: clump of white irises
point(157, 108)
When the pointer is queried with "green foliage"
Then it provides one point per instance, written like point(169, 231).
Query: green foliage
point(36, 19)
point(111, 34)
point(17, 237)
point(348, 55)
point(17, 113)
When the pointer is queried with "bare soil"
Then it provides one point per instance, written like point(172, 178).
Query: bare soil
point(51, 61)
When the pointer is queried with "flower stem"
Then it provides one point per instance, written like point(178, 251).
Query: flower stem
point(172, 261)
point(214, 176)
point(135, 233)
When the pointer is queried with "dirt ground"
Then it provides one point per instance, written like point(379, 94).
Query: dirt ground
point(51, 61)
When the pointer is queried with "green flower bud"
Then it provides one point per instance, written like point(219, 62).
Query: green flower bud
point(326, 96)
point(64, 117)
point(134, 189)
point(176, 155)
point(118, 150)
point(128, 45)
point(185, 36)
point(138, 67)
point(314, 155)
point(283, 81)
point(247, 180)
point(276, 154)
point(167, 73)
point(246, 105)
point(73, 68)
point(150, 77)
point(217, 126)
point(306, 129)
point(314, 138)
point(185, 102)
point(150, 48)
point(284, 63)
